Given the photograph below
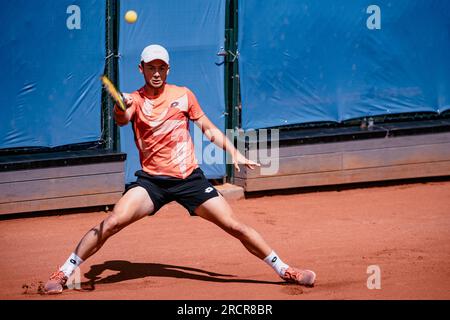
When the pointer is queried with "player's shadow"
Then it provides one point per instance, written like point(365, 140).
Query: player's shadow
point(131, 270)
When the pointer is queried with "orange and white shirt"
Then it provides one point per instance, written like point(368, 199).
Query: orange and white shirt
point(161, 130)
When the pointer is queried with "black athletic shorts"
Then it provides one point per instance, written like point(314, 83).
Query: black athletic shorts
point(189, 192)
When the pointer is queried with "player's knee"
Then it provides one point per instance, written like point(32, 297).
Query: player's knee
point(238, 230)
point(111, 225)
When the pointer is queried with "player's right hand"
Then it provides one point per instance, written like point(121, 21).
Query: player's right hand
point(128, 99)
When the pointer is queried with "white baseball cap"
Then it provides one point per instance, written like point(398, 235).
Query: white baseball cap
point(154, 52)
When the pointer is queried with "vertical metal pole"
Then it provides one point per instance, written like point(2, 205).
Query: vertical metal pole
point(110, 130)
point(231, 74)
point(236, 83)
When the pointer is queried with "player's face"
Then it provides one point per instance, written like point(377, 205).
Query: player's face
point(155, 73)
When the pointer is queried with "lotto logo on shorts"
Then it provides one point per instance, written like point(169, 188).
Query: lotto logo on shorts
point(209, 189)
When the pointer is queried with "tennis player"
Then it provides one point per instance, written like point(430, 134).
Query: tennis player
point(159, 113)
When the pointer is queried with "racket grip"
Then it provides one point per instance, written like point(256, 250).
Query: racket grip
point(124, 96)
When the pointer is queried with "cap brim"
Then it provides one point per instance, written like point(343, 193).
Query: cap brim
point(153, 59)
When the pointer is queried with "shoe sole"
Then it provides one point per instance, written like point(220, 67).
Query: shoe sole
point(52, 292)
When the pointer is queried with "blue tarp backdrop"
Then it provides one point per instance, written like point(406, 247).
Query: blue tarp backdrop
point(308, 60)
point(193, 32)
point(300, 61)
point(51, 57)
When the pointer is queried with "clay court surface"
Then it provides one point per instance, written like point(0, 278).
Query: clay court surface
point(404, 229)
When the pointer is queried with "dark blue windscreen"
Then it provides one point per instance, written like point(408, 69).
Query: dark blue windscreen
point(51, 57)
point(326, 60)
point(192, 32)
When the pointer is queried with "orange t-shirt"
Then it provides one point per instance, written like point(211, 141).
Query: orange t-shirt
point(161, 130)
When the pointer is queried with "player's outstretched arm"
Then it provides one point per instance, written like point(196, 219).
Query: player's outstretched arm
point(219, 139)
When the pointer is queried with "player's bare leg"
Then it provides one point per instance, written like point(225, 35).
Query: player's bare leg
point(134, 205)
point(218, 211)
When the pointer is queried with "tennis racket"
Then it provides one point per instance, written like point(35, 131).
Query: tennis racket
point(114, 93)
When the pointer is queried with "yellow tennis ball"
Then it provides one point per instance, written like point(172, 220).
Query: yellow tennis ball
point(131, 16)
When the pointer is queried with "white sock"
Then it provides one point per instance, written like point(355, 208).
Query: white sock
point(71, 264)
point(276, 263)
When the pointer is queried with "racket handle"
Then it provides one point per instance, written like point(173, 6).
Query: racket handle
point(125, 96)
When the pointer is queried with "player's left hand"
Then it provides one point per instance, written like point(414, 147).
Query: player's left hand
point(240, 159)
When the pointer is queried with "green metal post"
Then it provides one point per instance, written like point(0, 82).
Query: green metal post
point(110, 130)
point(231, 73)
